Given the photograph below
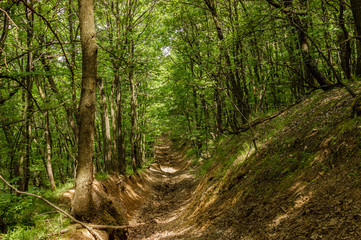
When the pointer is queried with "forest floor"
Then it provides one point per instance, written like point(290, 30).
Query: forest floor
point(171, 184)
point(302, 181)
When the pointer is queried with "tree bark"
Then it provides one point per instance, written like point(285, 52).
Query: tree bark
point(48, 153)
point(356, 12)
point(107, 140)
point(119, 125)
point(82, 205)
point(28, 101)
point(344, 43)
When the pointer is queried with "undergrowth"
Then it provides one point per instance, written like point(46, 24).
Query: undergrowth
point(28, 218)
point(286, 146)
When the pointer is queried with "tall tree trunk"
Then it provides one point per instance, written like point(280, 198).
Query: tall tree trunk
point(116, 94)
point(48, 153)
point(133, 130)
point(344, 43)
point(356, 12)
point(236, 88)
point(29, 101)
point(133, 97)
point(5, 32)
point(72, 47)
point(119, 125)
point(107, 140)
point(82, 204)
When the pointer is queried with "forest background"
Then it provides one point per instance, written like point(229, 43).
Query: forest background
point(198, 69)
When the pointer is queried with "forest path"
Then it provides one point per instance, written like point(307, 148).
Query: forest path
point(172, 185)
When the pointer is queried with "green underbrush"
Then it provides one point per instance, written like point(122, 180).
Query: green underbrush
point(315, 136)
point(27, 218)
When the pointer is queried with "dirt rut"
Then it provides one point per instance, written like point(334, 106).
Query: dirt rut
point(172, 185)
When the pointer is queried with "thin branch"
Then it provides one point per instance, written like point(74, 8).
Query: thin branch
point(89, 227)
point(53, 31)
point(22, 85)
point(9, 18)
point(52, 205)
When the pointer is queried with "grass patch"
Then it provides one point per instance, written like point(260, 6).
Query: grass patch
point(45, 228)
point(101, 176)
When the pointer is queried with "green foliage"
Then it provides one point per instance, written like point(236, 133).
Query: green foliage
point(46, 227)
point(101, 176)
point(189, 81)
point(16, 210)
point(25, 217)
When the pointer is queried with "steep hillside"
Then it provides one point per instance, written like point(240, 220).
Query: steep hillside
point(303, 182)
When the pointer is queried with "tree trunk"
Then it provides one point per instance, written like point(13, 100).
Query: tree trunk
point(133, 97)
point(5, 32)
point(82, 205)
point(344, 43)
point(236, 88)
point(119, 125)
point(48, 153)
point(72, 47)
point(133, 130)
point(29, 101)
point(356, 12)
point(107, 140)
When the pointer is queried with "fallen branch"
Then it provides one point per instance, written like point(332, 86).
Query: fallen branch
point(249, 125)
point(89, 227)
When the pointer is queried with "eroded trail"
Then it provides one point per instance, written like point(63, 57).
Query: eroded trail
point(171, 185)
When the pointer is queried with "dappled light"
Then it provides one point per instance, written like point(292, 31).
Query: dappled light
point(173, 120)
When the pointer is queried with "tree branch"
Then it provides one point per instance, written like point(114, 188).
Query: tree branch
point(53, 31)
point(89, 227)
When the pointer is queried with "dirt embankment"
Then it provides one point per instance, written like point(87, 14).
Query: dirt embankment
point(304, 182)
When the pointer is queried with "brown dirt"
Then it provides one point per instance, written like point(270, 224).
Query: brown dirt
point(304, 182)
point(171, 186)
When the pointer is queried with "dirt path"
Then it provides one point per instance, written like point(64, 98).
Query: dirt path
point(171, 185)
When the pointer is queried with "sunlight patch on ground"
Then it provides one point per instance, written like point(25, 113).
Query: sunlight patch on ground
point(167, 234)
point(302, 200)
point(243, 156)
point(168, 220)
point(278, 219)
point(168, 169)
point(298, 187)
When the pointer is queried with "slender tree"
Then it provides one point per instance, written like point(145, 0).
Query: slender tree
point(82, 203)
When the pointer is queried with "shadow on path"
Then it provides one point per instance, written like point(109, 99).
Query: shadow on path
point(172, 186)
